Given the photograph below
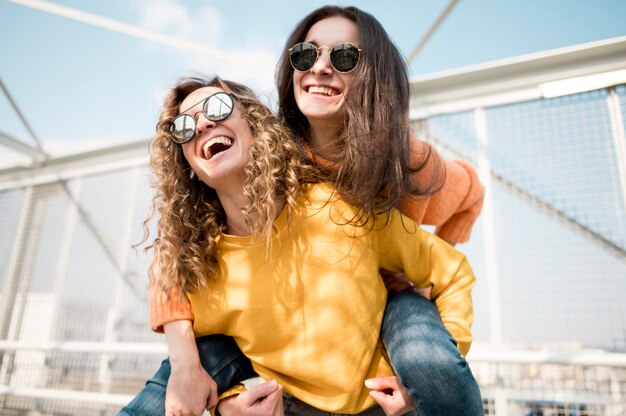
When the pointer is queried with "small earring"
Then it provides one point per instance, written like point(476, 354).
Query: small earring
point(192, 174)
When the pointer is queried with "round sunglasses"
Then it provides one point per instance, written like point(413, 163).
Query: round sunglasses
point(216, 107)
point(344, 57)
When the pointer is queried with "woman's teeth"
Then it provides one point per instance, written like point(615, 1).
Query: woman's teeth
point(216, 145)
point(322, 90)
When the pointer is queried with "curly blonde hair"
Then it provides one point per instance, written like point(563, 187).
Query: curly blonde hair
point(191, 215)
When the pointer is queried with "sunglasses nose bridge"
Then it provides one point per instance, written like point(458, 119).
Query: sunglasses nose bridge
point(322, 63)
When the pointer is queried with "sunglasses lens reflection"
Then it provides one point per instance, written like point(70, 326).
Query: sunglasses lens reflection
point(303, 56)
point(218, 107)
point(183, 128)
point(344, 57)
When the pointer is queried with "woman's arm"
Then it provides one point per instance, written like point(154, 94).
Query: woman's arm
point(428, 261)
point(190, 389)
point(457, 204)
point(166, 308)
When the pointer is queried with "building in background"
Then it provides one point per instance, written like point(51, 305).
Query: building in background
point(546, 134)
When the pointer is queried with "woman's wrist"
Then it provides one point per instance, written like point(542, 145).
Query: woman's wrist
point(181, 344)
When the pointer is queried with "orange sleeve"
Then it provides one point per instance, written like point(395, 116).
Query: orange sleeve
point(457, 204)
point(453, 209)
point(164, 308)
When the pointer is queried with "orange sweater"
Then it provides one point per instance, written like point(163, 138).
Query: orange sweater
point(455, 207)
point(452, 210)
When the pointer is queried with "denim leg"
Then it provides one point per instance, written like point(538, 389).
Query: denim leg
point(220, 357)
point(425, 358)
point(223, 360)
point(151, 399)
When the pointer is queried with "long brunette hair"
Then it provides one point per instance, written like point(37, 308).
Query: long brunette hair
point(376, 160)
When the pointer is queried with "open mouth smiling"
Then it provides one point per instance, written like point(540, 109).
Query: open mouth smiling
point(215, 146)
point(318, 90)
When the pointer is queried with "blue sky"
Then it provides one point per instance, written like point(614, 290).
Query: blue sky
point(82, 86)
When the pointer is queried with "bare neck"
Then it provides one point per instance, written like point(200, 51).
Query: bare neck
point(233, 203)
point(324, 138)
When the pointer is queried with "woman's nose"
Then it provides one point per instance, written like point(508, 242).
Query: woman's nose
point(322, 66)
point(203, 123)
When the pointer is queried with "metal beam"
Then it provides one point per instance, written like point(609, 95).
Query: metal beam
point(67, 395)
point(19, 146)
point(431, 31)
point(587, 358)
point(23, 119)
point(517, 79)
point(117, 157)
point(113, 348)
point(130, 30)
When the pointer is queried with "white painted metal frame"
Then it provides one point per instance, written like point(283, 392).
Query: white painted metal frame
point(62, 168)
point(619, 137)
point(518, 79)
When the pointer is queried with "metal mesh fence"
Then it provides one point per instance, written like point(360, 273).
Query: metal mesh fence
point(552, 389)
point(69, 275)
point(560, 231)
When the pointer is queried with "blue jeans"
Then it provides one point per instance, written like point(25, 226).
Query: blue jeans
point(422, 352)
point(220, 357)
point(424, 356)
point(227, 365)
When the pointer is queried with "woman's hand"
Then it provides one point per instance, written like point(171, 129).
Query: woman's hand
point(266, 399)
point(398, 282)
point(390, 394)
point(190, 391)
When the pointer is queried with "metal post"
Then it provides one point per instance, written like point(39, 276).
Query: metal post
point(619, 140)
point(619, 137)
point(489, 237)
point(13, 272)
point(71, 219)
point(115, 312)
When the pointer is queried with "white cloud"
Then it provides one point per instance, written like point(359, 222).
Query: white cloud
point(202, 26)
point(207, 26)
point(252, 68)
point(158, 95)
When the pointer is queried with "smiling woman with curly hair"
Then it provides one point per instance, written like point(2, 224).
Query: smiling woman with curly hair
point(191, 216)
point(281, 281)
